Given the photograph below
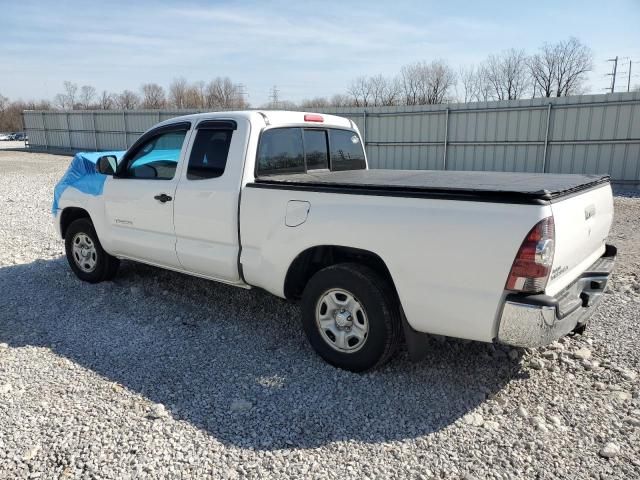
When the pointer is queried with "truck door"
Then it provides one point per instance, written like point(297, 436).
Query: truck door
point(206, 205)
point(139, 200)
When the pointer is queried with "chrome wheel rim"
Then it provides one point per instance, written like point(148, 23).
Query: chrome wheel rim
point(342, 320)
point(84, 252)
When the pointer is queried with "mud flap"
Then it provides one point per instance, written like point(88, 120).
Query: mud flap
point(417, 342)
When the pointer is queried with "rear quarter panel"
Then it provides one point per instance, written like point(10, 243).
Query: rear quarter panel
point(449, 259)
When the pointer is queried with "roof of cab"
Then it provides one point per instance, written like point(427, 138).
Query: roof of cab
point(268, 117)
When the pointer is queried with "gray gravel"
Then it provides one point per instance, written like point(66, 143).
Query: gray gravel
point(159, 375)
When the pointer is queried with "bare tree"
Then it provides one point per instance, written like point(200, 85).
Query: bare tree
point(360, 92)
point(153, 96)
point(317, 102)
point(222, 93)
point(178, 92)
point(508, 74)
point(410, 79)
point(384, 91)
point(4, 102)
point(127, 100)
point(67, 99)
point(106, 101)
point(560, 69)
point(470, 80)
point(426, 83)
point(340, 100)
point(543, 67)
point(60, 101)
point(71, 90)
point(194, 95)
point(10, 115)
point(11, 112)
point(440, 81)
point(575, 60)
point(87, 94)
point(287, 105)
point(474, 85)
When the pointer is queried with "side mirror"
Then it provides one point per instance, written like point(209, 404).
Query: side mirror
point(107, 164)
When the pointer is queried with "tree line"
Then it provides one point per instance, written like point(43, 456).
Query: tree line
point(555, 70)
point(219, 93)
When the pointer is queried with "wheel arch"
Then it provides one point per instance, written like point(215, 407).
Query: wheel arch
point(69, 215)
point(313, 259)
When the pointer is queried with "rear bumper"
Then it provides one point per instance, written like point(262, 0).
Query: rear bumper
point(535, 320)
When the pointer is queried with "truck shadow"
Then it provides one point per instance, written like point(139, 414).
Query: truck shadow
point(235, 363)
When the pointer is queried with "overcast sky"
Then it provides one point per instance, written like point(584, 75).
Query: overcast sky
point(305, 48)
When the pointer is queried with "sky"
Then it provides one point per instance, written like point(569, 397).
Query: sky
point(305, 48)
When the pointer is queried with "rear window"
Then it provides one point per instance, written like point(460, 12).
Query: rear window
point(297, 150)
point(281, 151)
point(346, 150)
point(315, 149)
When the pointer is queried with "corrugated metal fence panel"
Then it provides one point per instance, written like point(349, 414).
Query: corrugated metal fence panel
point(141, 121)
point(56, 121)
point(82, 121)
point(110, 122)
point(82, 140)
point(111, 141)
point(584, 134)
point(38, 138)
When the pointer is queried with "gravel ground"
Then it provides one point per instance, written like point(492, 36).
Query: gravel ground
point(159, 375)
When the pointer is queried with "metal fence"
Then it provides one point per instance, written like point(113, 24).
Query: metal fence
point(583, 134)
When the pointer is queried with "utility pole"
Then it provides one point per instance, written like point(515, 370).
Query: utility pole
point(629, 78)
point(274, 97)
point(615, 72)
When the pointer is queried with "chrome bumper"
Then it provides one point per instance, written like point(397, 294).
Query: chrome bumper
point(535, 320)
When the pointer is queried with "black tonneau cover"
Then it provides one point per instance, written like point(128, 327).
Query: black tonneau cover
point(477, 186)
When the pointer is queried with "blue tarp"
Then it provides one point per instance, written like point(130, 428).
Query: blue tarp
point(82, 175)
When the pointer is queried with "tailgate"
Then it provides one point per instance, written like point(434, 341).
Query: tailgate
point(582, 222)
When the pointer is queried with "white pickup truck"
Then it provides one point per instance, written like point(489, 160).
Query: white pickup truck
point(284, 201)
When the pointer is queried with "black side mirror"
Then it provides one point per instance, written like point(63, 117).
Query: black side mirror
point(107, 164)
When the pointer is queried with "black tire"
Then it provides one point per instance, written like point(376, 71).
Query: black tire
point(105, 265)
point(378, 299)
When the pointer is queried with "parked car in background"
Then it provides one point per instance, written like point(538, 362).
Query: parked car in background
point(5, 137)
point(21, 137)
point(285, 202)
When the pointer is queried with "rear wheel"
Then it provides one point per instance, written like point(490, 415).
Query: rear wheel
point(351, 317)
point(85, 254)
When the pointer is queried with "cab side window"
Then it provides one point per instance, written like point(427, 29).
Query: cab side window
point(209, 154)
point(158, 157)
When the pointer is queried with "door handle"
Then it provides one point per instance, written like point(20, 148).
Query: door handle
point(163, 197)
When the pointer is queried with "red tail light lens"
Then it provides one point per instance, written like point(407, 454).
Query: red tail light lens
point(532, 266)
point(311, 117)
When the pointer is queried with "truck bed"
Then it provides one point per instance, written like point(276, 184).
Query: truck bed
point(456, 185)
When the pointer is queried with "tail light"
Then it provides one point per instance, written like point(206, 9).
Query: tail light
point(532, 266)
point(312, 117)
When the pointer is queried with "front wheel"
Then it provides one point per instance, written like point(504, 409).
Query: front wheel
point(85, 254)
point(351, 317)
